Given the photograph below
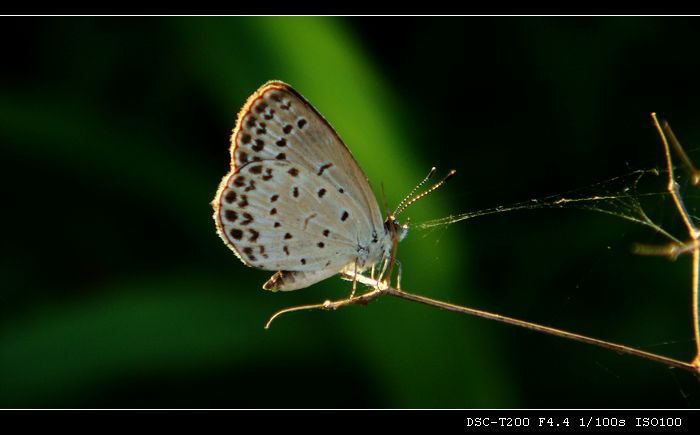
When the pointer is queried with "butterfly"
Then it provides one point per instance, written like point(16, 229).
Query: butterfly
point(295, 200)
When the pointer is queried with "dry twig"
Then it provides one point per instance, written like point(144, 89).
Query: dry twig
point(380, 288)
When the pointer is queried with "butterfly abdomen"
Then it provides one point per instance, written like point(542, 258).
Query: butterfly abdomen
point(293, 280)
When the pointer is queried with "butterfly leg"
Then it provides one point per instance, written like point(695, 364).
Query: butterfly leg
point(398, 274)
point(354, 281)
point(382, 271)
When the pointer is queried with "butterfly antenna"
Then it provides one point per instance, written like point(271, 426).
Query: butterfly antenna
point(410, 194)
point(403, 206)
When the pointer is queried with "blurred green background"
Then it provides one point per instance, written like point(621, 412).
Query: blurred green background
point(117, 292)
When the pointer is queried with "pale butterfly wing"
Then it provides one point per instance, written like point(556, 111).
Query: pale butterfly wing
point(295, 199)
point(277, 223)
point(278, 123)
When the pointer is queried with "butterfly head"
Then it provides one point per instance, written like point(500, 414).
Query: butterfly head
point(396, 229)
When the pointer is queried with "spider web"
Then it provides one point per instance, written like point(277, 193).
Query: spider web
point(619, 196)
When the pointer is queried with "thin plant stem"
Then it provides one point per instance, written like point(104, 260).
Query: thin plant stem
point(673, 189)
point(379, 289)
point(544, 329)
point(690, 167)
point(696, 319)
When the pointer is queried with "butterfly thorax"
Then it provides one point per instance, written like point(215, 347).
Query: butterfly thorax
point(380, 246)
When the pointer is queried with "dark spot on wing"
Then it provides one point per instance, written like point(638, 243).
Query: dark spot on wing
point(231, 215)
point(243, 203)
point(253, 235)
point(248, 219)
point(230, 196)
point(249, 252)
point(323, 168)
